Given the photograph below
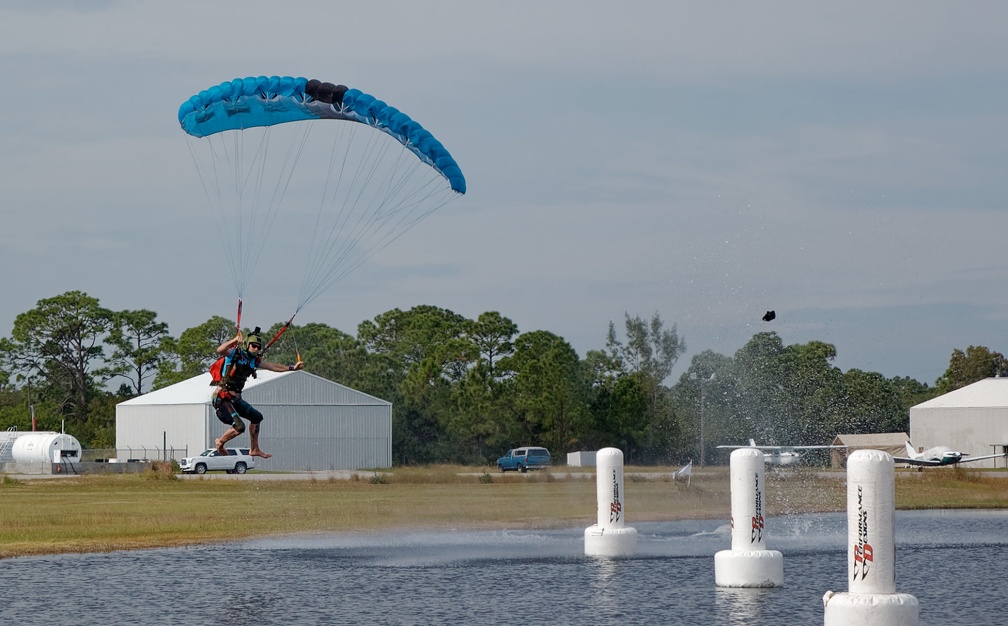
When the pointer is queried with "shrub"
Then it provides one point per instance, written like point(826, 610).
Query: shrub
point(161, 470)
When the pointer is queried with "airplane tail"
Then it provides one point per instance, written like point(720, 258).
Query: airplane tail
point(910, 451)
point(752, 442)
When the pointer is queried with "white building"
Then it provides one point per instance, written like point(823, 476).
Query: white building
point(581, 459)
point(310, 423)
point(972, 420)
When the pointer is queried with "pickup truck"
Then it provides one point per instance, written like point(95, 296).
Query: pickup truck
point(524, 459)
point(237, 461)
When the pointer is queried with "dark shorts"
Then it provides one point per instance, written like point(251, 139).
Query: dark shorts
point(225, 407)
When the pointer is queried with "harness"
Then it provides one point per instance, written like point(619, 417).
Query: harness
point(237, 367)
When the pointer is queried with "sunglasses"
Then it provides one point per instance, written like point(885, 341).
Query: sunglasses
point(257, 346)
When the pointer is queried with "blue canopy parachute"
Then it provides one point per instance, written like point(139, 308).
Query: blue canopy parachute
point(267, 147)
point(265, 101)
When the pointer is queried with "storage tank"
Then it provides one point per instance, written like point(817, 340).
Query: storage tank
point(47, 448)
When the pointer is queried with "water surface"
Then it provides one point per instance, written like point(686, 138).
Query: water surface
point(952, 561)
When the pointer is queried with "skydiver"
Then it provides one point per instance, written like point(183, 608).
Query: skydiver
point(769, 316)
point(239, 364)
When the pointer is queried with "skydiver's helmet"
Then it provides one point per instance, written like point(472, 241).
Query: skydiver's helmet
point(253, 338)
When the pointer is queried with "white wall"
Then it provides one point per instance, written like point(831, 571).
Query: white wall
point(964, 429)
point(141, 429)
point(581, 459)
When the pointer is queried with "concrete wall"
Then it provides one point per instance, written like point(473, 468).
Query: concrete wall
point(581, 459)
point(71, 469)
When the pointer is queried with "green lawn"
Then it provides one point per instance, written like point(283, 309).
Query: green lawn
point(154, 509)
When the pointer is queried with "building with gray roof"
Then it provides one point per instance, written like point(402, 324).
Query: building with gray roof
point(311, 424)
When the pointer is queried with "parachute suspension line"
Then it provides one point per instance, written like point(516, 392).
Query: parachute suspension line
point(212, 190)
point(223, 163)
point(293, 338)
point(366, 203)
point(346, 236)
point(313, 256)
point(256, 175)
point(362, 227)
point(389, 238)
point(251, 230)
point(260, 215)
point(322, 238)
point(241, 265)
point(386, 194)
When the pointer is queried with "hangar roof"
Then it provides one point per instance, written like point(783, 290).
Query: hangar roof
point(196, 390)
point(988, 393)
point(302, 384)
point(872, 439)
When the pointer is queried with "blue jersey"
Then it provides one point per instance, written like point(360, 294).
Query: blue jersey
point(238, 365)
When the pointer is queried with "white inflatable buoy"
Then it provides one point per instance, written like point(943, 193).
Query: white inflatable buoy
point(610, 536)
point(871, 548)
point(748, 563)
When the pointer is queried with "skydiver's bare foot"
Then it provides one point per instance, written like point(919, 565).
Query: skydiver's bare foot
point(258, 452)
point(220, 447)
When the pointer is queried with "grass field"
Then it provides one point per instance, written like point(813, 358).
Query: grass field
point(155, 509)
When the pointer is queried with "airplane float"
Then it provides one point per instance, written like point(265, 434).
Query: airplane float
point(940, 455)
point(783, 455)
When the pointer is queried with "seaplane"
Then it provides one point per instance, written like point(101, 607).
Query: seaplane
point(940, 455)
point(783, 455)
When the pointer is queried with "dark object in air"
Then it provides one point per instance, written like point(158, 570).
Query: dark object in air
point(769, 316)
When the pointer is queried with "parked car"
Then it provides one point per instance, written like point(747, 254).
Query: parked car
point(237, 461)
point(524, 459)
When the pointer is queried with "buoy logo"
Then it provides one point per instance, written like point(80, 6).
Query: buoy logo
point(863, 554)
point(757, 519)
point(757, 529)
point(615, 507)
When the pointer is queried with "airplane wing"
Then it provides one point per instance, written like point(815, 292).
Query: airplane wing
point(787, 448)
point(935, 462)
point(981, 458)
point(814, 447)
point(920, 462)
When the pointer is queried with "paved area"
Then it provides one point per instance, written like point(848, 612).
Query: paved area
point(253, 474)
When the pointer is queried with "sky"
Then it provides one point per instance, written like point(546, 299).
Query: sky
point(843, 164)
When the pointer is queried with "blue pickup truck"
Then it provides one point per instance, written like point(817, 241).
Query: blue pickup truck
point(524, 459)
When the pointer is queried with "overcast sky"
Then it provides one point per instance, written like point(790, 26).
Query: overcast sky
point(841, 163)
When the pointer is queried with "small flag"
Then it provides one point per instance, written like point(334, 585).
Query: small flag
point(684, 472)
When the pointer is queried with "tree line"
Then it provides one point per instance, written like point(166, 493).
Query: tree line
point(465, 390)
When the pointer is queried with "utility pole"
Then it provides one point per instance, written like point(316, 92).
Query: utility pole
point(702, 398)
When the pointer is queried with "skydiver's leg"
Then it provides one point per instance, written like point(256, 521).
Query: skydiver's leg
point(254, 437)
point(227, 413)
point(254, 417)
point(228, 435)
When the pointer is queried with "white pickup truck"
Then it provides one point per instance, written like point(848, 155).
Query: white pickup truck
point(237, 461)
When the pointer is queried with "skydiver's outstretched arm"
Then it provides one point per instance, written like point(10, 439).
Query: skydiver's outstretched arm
point(278, 367)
